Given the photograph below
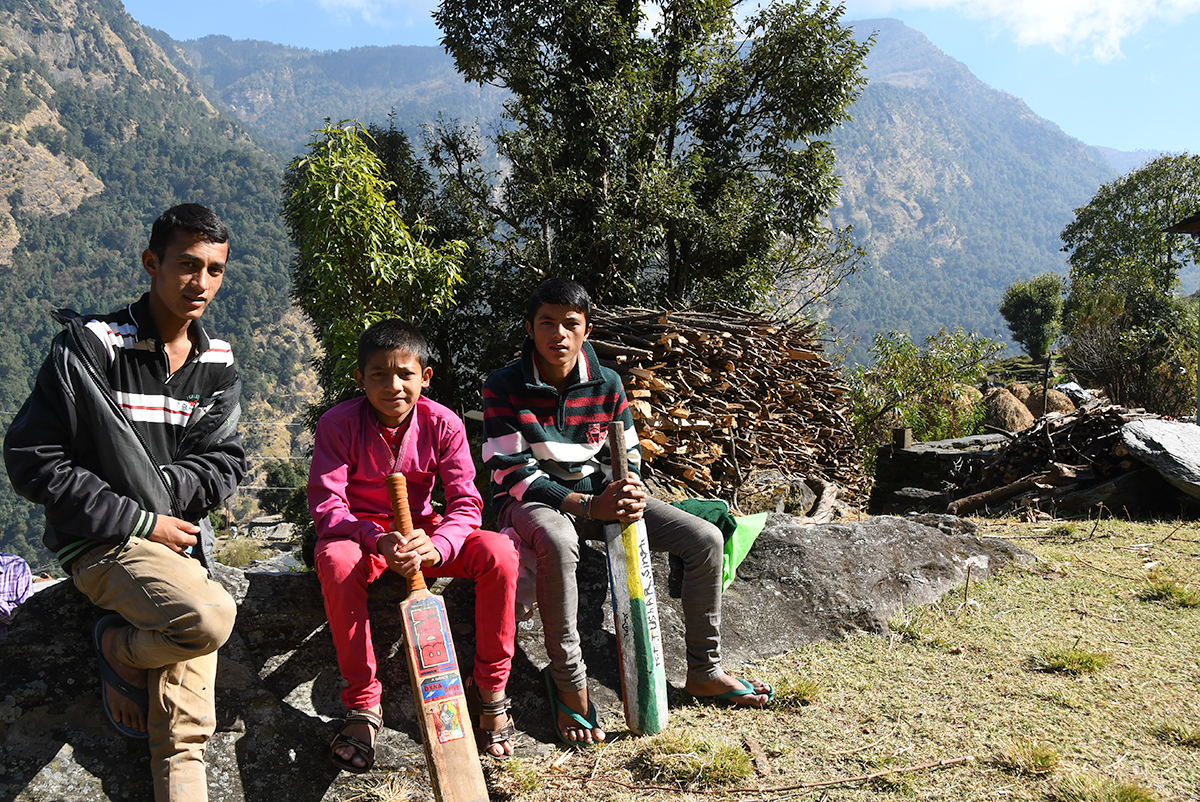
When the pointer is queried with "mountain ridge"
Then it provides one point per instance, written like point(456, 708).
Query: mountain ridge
point(955, 188)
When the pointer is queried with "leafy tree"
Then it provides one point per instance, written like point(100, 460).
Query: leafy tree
point(283, 478)
point(1124, 327)
point(658, 164)
point(357, 261)
point(928, 388)
point(1031, 309)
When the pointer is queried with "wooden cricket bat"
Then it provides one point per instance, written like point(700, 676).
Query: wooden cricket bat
point(635, 611)
point(438, 696)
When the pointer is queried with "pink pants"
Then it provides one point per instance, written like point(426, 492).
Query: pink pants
point(345, 571)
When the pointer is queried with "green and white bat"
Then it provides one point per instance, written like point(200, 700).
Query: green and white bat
point(635, 611)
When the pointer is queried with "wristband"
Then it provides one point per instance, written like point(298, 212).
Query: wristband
point(585, 507)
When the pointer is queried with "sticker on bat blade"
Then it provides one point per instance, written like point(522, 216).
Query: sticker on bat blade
point(441, 687)
point(430, 637)
point(447, 722)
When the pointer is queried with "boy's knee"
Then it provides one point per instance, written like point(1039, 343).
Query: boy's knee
point(213, 624)
point(558, 544)
point(711, 542)
point(336, 560)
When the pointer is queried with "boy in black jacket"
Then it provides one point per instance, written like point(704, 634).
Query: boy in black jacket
point(129, 439)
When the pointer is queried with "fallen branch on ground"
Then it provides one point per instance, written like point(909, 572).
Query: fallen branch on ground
point(937, 764)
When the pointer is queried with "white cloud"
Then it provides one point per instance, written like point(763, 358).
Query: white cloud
point(381, 12)
point(1068, 26)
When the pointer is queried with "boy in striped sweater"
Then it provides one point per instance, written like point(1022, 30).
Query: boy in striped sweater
point(546, 418)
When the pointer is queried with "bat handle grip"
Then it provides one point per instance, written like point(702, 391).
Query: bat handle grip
point(617, 451)
point(397, 487)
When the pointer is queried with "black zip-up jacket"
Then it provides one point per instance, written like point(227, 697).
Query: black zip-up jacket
point(109, 439)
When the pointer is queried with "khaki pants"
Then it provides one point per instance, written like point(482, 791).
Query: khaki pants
point(179, 619)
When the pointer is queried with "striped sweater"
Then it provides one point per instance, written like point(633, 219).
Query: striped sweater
point(542, 445)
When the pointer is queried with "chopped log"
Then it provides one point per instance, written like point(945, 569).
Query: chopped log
point(968, 504)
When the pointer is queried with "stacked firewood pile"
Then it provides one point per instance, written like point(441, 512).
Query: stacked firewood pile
point(720, 393)
point(1059, 456)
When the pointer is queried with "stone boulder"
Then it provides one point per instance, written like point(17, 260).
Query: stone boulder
point(277, 683)
point(1169, 447)
point(1003, 410)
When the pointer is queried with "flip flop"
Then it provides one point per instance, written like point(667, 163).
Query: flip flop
point(109, 676)
point(727, 698)
point(592, 721)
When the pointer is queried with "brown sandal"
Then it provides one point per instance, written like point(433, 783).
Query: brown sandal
point(364, 750)
point(477, 707)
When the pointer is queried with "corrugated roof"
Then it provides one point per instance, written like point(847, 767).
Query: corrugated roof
point(1189, 225)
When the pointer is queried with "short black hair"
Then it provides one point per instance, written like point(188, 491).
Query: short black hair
point(191, 217)
point(393, 335)
point(560, 292)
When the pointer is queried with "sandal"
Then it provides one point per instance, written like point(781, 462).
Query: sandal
point(477, 707)
point(364, 750)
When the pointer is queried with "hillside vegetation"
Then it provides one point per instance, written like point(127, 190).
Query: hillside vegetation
point(954, 188)
point(284, 93)
point(101, 133)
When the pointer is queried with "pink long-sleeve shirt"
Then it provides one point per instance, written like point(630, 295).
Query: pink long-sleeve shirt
point(348, 497)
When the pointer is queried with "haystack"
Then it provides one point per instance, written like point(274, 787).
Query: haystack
point(1004, 411)
point(1054, 401)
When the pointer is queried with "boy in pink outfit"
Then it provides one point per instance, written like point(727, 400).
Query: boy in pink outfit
point(393, 428)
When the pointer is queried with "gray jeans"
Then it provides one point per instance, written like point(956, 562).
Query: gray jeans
point(555, 536)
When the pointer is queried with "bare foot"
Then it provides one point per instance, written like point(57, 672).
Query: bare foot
point(496, 722)
point(571, 729)
point(362, 731)
point(724, 684)
point(124, 710)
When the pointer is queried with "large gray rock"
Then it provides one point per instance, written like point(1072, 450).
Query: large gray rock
point(277, 684)
point(1169, 447)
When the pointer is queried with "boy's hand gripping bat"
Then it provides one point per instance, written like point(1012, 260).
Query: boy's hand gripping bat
point(635, 611)
point(438, 696)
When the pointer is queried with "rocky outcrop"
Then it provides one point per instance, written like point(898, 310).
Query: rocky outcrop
point(1169, 447)
point(277, 684)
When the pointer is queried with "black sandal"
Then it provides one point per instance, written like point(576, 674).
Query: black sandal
point(477, 707)
point(364, 750)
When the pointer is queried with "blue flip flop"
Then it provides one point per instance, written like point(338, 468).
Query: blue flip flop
point(109, 676)
point(591, 722)
point(728, 697)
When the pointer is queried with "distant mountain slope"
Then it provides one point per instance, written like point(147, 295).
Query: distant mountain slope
point(956, 189)
point(285, 92)
point(99, 132)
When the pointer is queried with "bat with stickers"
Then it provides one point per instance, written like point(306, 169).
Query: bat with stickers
point(438, 695)
point(635, 610)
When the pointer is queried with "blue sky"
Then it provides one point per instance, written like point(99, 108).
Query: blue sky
point(1110, 72)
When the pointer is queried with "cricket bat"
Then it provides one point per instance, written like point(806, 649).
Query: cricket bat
point(635, 611)
point(445, 724)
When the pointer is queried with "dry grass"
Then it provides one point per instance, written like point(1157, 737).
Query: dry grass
point(239, 552)
point(1178, 735)
point(1085, 787)
point(1170, 592)
point(954, 680)
point(682, 759)
point(1027, 757)
point(1069, 660)
point(391, 788)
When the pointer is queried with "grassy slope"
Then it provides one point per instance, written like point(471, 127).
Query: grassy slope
point(956, 680)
